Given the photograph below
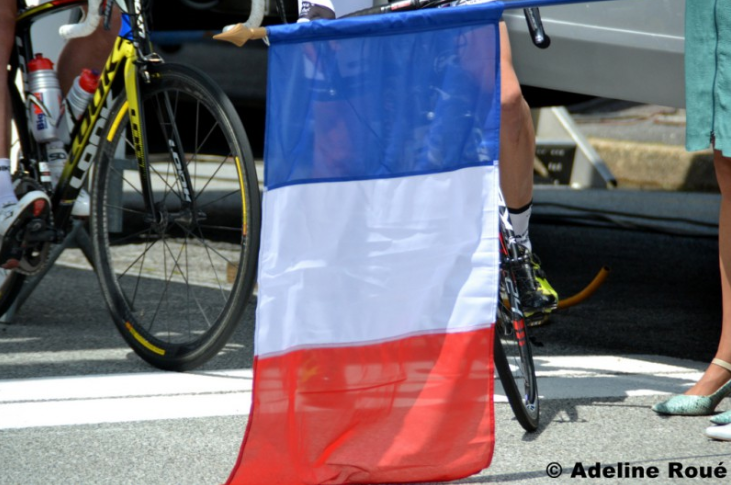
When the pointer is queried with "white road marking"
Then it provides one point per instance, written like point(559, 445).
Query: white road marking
point(610, 376)
point(63, 401)
point(26, 403)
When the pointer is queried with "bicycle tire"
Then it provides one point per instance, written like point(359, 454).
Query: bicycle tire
point(11, 282)
point(513, 355)
point(173, 322)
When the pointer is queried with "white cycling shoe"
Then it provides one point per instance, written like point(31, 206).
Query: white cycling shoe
point(13, 217)
point(82, 206)
point(721, 433)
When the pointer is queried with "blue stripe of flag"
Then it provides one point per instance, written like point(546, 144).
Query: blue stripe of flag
point(383, 96)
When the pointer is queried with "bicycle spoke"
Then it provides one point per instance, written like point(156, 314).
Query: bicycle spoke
point(204, 244)
point(129, 237)
point(139, 259)
point(232, 230)
point(183, 275)
point(125, 180)
point(208, 249)
point(139, 275)
point(197, 130)
point(164, 179)
point(222, 197)
point(210, 179)
point(126, 209)
point(168, 280)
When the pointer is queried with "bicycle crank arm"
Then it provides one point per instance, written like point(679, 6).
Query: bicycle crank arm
point(37, 232)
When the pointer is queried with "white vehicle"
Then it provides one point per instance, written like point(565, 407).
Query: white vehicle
point(622, 49)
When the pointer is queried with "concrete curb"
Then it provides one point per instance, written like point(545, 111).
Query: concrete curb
point(656, 166)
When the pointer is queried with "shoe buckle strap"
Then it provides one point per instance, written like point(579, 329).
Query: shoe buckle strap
point(722, 363)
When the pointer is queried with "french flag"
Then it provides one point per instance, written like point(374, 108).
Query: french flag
point(378, 270)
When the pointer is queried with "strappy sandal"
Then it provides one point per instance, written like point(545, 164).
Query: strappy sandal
point(685, 405)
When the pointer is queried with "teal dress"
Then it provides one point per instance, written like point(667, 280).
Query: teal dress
point(708, 74)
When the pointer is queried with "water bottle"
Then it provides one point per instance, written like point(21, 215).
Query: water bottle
point(77, 99)
point(57, 157)
point(46, 108)
point(81, 92)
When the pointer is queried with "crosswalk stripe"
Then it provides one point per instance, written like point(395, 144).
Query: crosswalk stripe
point(63, 401)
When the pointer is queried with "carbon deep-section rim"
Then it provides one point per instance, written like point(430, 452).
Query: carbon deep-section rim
point(514, 356)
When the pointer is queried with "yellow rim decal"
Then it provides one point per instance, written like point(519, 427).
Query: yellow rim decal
point(117, 121)
point(142, 340)
point(243, 193)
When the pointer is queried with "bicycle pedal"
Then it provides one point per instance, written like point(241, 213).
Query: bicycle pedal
point(538, 319)
point(37, 231)
point(12, 249)
point(25, 247)
point(13, 261)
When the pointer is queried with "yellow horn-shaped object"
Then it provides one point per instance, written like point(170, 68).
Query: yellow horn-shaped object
point(239, 34)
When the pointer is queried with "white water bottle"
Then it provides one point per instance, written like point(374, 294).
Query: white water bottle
point(77, 99)
point(57, 157)
point(81, 92)
point(46, 107)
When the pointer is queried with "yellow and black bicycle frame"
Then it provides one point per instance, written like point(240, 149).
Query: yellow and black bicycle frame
point(130, 63)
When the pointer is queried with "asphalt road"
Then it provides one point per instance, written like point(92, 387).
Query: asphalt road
point(76, 406)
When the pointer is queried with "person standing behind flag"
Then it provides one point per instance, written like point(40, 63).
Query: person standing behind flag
point(708, 122)
point(517, 152)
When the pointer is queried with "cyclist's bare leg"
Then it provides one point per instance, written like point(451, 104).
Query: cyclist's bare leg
point(87, 52)
point(7, 28)
point(517, 151)
point(715, 376)
point(14, 214)
point(517, 136)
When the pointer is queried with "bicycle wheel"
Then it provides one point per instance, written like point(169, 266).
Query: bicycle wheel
point(177, 273)
point(512, 352)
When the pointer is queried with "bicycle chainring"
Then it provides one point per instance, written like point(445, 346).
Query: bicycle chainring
point(36, 243)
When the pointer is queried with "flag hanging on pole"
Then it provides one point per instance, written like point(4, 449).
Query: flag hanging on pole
point(378, 269)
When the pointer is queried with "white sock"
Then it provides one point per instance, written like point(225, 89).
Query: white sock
point(520, 219)
point(7, 194)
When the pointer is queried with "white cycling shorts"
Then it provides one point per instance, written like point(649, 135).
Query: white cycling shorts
point(340, 7)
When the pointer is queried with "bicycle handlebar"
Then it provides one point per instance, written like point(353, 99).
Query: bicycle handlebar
point(535, 27)
point(86, 26)
point(240, 33)
point(532, 15)
point(256, 16)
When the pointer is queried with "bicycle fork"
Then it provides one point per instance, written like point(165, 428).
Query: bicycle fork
point(158, 216)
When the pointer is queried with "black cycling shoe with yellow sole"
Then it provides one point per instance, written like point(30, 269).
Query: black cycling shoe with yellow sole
point(537, 296)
